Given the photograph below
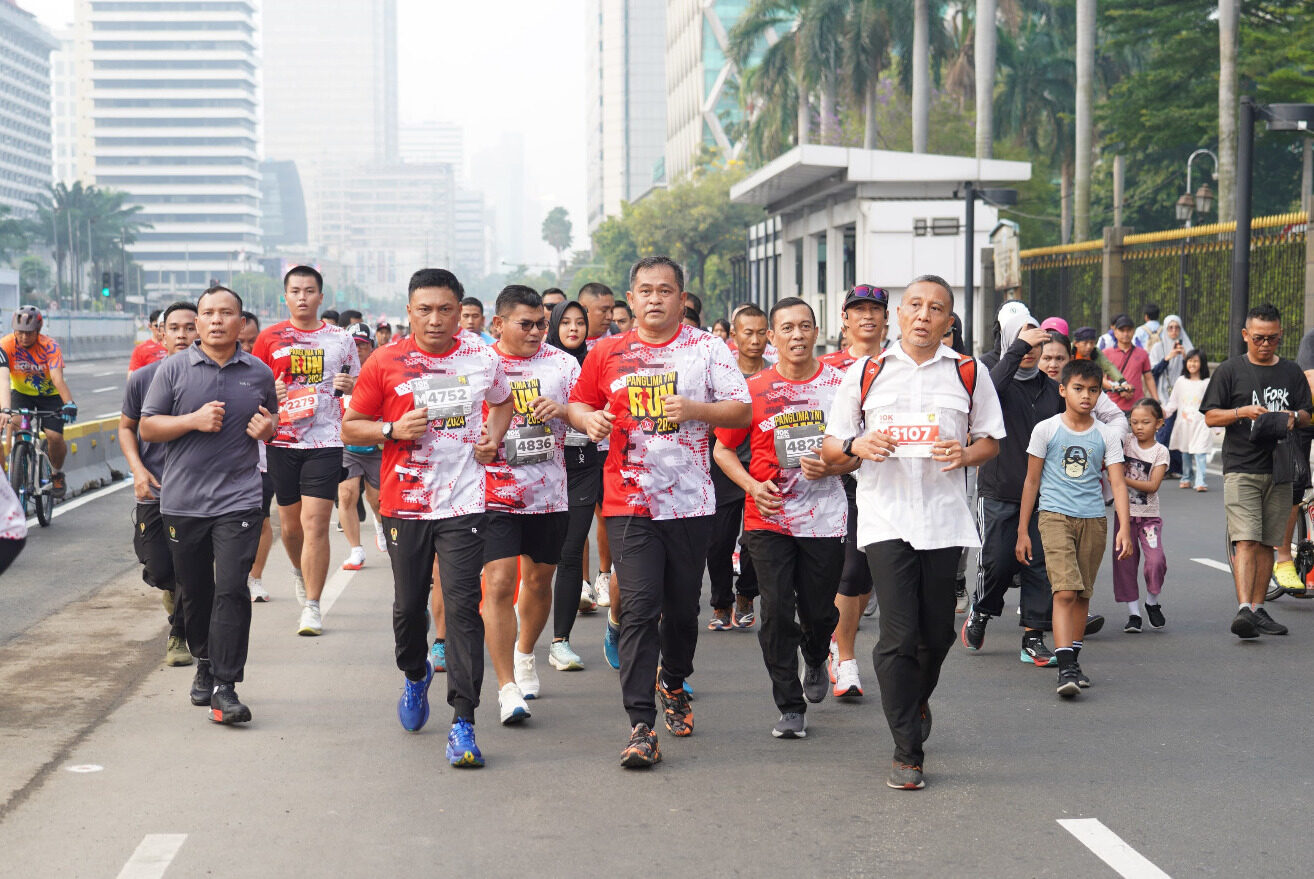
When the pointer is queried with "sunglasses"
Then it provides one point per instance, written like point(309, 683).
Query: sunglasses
point(1265, 340)
point(875, 294)
point(527, 325)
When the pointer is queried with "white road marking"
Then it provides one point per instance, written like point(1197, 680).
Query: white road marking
point(61, 509)
point(1110, 848)
point(104, 389)
point(333, 589)
point(103, 374)
point(1210, 563)
point(83, 768)
point(108, 414)
point(153, 856)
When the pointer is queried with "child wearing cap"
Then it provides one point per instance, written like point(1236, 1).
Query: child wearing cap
point(1083, 345)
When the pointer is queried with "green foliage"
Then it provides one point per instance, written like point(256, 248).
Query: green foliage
point(13, 236)
point(557, 233)
point(34, 280)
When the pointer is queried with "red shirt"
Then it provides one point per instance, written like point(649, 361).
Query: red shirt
point(147, 352)
point(306, 361)
point(655, 468)
point(1133, 365)
point(436, 476)
point(789, 420)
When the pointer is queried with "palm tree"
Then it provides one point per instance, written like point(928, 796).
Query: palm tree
point(1085, 124)
point(557, 234)
point(1228, 18)
point(984, 68)
point(821, 22)
point(84, 226)
point(13, 236)
point(868, 41)
point(764, 45)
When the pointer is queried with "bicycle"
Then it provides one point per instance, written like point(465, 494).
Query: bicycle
point(1302, 551)
point(29, 466)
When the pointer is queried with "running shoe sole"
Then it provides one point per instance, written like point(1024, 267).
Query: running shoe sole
point(850, 693)
point(636, 759)
point(243, 715)
point(348, 566)
point(1068, 689)
point(789, 733)
point(1244, 628)
point(1037, 661)
point(466, 760)
point(565, 666)
point(518, 715)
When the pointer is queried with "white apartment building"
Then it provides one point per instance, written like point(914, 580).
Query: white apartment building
point(25, 151)
point(64, 108)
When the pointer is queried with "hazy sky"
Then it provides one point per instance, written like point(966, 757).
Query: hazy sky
point(490, 66)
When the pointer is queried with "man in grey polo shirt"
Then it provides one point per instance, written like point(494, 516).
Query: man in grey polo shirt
point(212, 405)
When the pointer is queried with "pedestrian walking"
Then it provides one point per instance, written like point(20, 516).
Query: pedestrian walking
point(1145, 464)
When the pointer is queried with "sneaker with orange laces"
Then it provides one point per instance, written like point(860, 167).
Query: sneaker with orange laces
point(905, 776)
point(744, 615)
point(642, 751)
point(720, 621)
point(675, 704)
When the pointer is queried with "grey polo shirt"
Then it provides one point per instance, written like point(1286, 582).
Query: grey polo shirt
point(152, 454)
point(211, 474)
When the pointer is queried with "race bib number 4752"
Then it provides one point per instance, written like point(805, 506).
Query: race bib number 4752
point(913, 432)
point(445, 396)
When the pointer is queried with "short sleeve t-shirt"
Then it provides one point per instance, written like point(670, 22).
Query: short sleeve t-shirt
point(306, 361)
point(1133, 365)
point(840, 359)
point(147, 352)
point(1138, 463)
point(656, 468)
point(29, 368)
point(789, 421)
point(436, 476)
point(13, 526)
point(1237, 383)
point(1070, 480)
point(529, 473)
point(152, 454)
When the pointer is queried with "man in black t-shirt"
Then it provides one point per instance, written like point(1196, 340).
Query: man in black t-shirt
point(1242, 389)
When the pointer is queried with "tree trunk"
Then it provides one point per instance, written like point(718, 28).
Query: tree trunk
point(804, 116)
point(984, 64)
point(1085, 121)
point(1228, 32)
point(829, 119)
point(869, 116)
point(1065, 203)
point(921, 75)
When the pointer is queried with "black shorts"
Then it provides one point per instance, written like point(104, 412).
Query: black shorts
point(537, 535)
point(299, 473)
point(584, 486)
point(41, 404)
point(266, 493)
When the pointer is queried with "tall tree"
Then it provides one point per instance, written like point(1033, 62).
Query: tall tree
point(921, 75)
point(765, 46)
point(557, 234)
point(13, 235)
point(85, 227)
point(821, 22)
point(868, 40)
point(1229, 30)
point(984, 62)
point(1085, 122)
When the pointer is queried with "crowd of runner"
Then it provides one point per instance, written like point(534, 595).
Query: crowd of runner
point(811, 490)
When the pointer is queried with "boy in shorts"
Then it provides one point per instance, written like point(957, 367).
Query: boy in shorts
point(1063, 468)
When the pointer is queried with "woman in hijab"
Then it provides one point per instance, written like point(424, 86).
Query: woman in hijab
point(1167, 359)
point(568, 328)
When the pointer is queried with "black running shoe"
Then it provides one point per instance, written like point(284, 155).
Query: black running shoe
point(1068, 683)
point(202, 683)
point(1036, 652)
point(1155, 613)
point(225, 707)
point(1266, 624)
point(1244, 624)
point(1094, 622)
point(974, 629)
point(1083, 680)
point(642, 751)
point(675, 704)
point(815, 682)
point(1133, 624)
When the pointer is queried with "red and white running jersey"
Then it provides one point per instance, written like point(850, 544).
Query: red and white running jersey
point(436, 476)
point(529, 473)
point(789, 421)
point(840, 359)
point(306, 361)
point(145, 353)
point(656, 468)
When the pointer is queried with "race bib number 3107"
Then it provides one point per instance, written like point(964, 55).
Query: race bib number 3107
point(913, 432)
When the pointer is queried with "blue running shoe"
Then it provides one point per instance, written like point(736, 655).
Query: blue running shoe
point(438, 655)
point(413, 707)
point(688, 691)
point(462, 752)
point(611, 645)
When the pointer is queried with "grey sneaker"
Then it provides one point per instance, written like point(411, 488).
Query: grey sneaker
point(905, 777)
point(562, 658)
point(791, 725)
point(1266, 624)
point(815, 682)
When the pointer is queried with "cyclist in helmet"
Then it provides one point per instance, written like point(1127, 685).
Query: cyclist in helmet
point(35, 367)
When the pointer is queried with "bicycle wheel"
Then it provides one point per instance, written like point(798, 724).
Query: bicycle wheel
point(44, 499)
point(20, 473)
point(1304, 554)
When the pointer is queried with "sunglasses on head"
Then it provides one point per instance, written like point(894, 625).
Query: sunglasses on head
point(867, 291)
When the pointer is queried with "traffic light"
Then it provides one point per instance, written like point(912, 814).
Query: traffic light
point(105, 284)
point(118, 285)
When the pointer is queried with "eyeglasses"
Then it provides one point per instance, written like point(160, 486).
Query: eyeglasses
point(1266, 340)
point(527, 325)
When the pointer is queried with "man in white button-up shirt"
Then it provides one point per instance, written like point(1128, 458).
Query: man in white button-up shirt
point(912, 431)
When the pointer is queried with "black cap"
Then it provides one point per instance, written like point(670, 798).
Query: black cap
point(1085, 334)
point(1122, 321)
point(361, 331)
point(867, 293)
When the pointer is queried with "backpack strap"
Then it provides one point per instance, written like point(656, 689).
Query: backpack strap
point(967, 375)
point(871, 367)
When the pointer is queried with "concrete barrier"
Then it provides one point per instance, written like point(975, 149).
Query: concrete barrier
point(94, 457)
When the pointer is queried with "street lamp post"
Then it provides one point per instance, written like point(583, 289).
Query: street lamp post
point(1280, 117)
point(1187, 205)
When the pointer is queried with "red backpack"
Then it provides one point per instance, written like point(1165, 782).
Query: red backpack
point(871, 367)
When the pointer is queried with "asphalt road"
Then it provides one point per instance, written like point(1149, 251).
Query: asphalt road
point(1189, 748)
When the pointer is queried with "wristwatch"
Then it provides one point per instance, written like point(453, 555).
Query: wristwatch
point(387, 430)
point(848, 448)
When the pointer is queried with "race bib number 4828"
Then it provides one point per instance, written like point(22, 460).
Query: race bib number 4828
point(913, 432)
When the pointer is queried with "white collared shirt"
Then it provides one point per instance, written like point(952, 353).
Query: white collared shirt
point(912, 499)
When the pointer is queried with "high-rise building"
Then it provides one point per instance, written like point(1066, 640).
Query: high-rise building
point(499, 171)
point(282, 205)
point(701, 82)
point(433, 143)
point(469, 234)
point(626, 91)
point(169, 115)
point(25, 138)
point(64, 108)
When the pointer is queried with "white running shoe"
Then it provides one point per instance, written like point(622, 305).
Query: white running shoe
point(380, 543)
point(256, 588)
point(562, 658)
point(588, 602)
point(355, 560)
point(847, 684)
point(511, 705)
point(312, 623)
point(299, 583)
point(526, 674)
point(602, 589)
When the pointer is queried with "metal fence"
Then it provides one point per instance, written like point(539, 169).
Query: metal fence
point(1183, 271)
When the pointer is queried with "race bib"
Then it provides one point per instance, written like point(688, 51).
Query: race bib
point(575, 439)
point(796, 443)
point(913, 432)
point(445, 396)
point(531, 444)
point(299, 405)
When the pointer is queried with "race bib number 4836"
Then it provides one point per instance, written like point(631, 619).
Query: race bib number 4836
point(913, 432)
point(531, 444)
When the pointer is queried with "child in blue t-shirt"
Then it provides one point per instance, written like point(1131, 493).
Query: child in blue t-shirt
point(1065, 456)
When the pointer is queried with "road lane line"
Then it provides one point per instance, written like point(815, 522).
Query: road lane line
point(61, 509)
point(1111, 849)
point(103, 374)
point(103, 390)
point(1210, 563)
point(153, 856)
point(108, 415)
point(334, 588)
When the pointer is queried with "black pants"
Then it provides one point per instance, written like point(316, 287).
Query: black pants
point(212, 557)
point(570, 572)
point(915, 589)
point(855, 577)
point(726, 527)
point(459, 545)
point(999, 565)
point(152, 549)
point(799, 575)
point(660, 566)
point(9, 550)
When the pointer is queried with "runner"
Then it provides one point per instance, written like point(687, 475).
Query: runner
point(152, 349)
point(660, 388)
point(360, 464)
point(622, 319)
point(146, 461)
point(599, 303)
point(865, 314)
point(211, 406)
point(419, 398)
point(472, 319)
point(382, 334)
point(913, 513)
point(314, 363)
point(552, 296)
point(527, 504)
point(36, 380)
point(254, 582)
point(796, 521)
